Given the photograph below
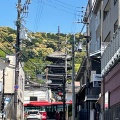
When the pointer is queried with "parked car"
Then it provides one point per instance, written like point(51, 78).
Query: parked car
point(44, 115)
point(33, 115)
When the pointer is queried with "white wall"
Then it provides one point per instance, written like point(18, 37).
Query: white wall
point(41, 95)
point(68, 97)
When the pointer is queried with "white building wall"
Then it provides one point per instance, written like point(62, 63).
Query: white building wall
point(10, 75)
point(21, 81)
point(10, 83)
point(68, 97)
point(41, 95)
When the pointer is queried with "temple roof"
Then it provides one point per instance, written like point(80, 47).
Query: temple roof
point(58, 54)
point(57, 76)
point(58, 66)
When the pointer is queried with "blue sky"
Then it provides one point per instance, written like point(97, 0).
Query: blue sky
point(45, 15)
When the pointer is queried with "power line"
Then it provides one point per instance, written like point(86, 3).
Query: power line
point(66, 4)
point(38, 15)
point(4, 51)
point(60, 5)
point(58, 8)
point(6, 41)
point(5, 38)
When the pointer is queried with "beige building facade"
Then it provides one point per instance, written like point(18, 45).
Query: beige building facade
point(9, 84)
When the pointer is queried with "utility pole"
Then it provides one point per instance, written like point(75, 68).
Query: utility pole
point(2, 103)
point(64, 94)
point(64, 83)
point(47, 84)
point(73, 84)
point(18, 24)
point(88, 72)
point(20, 9)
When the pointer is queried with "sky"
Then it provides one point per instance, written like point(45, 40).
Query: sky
point(45, 15)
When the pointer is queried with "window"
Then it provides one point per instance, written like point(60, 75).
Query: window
point(115, 26)
point(115, 1)
point(106, 10)
point(107, 39)
point(97, 20)
point(32, 98)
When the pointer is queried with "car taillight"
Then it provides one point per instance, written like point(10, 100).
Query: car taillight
point(44, 113)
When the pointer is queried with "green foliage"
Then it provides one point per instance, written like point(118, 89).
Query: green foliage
point(40, 81)
point(35, 49)
point(2, 54)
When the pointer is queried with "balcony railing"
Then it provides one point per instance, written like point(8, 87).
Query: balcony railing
point(111, 54)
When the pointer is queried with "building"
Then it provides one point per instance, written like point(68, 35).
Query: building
point(89, 73)
point(9, 87)
point(35, 93)
point(110, 66)
point(102, 17)
point(56, 72)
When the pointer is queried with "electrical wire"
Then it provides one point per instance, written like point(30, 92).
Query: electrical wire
point(4, 51)
point(66, 4)
point(59, 5)
point(6, 41)
point(5, 38)
point(50, 5)
point(38, 15)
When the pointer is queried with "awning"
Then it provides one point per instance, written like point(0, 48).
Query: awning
point(38, 103)
point(42, 103)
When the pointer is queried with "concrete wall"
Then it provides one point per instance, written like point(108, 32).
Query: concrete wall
point(109, 21)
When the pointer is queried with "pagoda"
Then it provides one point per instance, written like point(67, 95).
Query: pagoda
point(57, 70)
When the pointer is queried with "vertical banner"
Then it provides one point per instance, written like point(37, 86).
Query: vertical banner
point(106, 105)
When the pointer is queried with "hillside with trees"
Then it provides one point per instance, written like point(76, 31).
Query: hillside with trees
point(36, 47)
